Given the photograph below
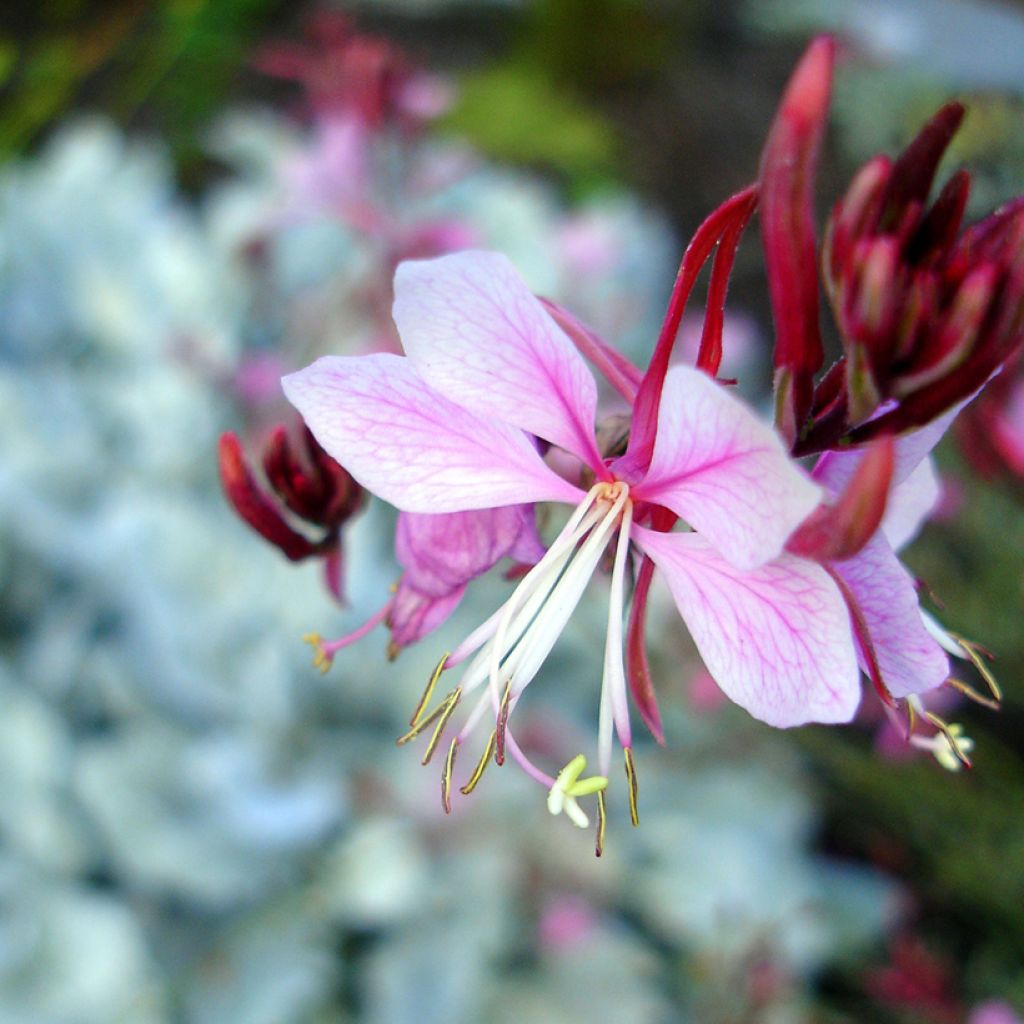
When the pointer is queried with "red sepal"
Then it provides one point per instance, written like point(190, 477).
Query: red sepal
point(788, 166)
point(838, 531)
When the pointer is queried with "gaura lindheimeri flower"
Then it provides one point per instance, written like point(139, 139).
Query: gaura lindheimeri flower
point(453, 426)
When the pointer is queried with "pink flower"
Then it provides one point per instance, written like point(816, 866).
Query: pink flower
point(994, 1011)
point(451, 427)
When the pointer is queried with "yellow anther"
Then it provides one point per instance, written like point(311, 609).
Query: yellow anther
point(429, 691)
point(423, 723)
point(481, 766)
point(972, 694)
point(446, 776)
point(447, 710)
point(568, 786)
point(601, 818)
point(979, 658)
point(320, 658)
point(631, 777)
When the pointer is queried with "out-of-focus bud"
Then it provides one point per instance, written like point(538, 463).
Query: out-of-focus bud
point(788, 165)
point(345, 72)
point(305, 486)
point(925, 317)
point(991, 429)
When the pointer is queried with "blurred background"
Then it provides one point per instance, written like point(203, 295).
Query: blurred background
point(195, 825)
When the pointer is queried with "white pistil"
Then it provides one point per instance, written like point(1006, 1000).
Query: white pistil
point(568, 786)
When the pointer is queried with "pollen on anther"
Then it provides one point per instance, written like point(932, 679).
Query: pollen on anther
point(481, 766)
point(446, 776)
point(447, 710)
point(634, 816)
point(321, 660)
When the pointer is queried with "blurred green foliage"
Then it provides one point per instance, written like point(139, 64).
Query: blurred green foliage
point(174, 60)
point(536, 103)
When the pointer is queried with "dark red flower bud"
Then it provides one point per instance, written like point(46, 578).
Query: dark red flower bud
point(788, 165)
point(305, 484)
point(925, 317)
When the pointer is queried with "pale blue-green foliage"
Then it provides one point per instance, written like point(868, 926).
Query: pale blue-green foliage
point(197, 827)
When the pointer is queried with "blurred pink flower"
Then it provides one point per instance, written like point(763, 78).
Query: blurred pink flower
point(995, 1011)
point(566, 922)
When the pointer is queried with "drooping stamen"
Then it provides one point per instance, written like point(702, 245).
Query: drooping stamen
point(529, 653)
point(972, 694)
point(446, 776)
point(448, 709)
point(546, 571)
point(326, 650)
point(631, 777)
point(912, 709)
point(424, 722)
point(614, 704)
point(481, 766)
point(952, 738)
point(602, 818)
point(429, 691)
point(978, 656)
point(499, 744)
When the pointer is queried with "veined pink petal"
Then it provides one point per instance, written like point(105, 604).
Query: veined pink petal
point(415, 615)
point(413, 447)
point(909, 660)
point(776, 639)
point(910, 504)
point(834, 469)
point(476, 334)
point(445, 551)
point(724, 471)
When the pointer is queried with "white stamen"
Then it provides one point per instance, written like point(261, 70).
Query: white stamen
point(614, 705)
point(943, 639)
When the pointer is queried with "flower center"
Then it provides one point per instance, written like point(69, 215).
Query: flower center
point(507, 651)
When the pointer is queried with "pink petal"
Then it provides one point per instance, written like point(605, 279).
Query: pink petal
point(413, 447)
point(480, 337)
point(442, 552)
point(910, 504)
point(415, 615)
point(909, 659)
point(724, 471)
point(776, 639)
point(834, 469)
